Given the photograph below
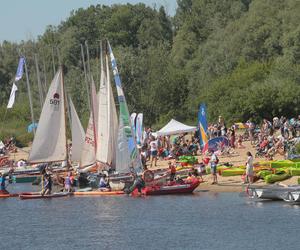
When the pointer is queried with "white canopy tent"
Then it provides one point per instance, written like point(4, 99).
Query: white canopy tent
point(174, 127)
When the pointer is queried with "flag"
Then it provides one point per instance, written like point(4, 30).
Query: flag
point(19, 73)
point(202, 125)
point(12, 96)
point(133, 122)
point(139, 128)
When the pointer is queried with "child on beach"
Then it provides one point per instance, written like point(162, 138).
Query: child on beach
point(213, 167)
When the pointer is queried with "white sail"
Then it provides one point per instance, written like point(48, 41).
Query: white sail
point(78, 134)
point(49, 143)
point(122, 154)
point(107, 120)
point(113, 119)
point(88, 154)
point(132, 161)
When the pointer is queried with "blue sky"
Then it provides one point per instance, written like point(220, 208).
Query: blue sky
point(26, 19)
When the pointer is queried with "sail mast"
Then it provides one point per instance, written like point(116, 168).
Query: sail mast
point(65, 110)
point(29, 97)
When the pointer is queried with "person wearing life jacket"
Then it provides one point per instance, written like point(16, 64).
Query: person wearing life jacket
point(2, 184)
point(172, 169)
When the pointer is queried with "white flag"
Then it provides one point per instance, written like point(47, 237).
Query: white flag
point(11, 100)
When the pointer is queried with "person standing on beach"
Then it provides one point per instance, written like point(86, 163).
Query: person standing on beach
point(249, 168)
point(213, 167)
point(153, 151)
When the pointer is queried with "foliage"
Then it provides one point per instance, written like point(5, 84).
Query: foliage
point(240, 57)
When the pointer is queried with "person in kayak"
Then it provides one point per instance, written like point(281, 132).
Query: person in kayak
point(2, 184)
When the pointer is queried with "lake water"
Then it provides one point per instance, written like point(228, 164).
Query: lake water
point(198, 221)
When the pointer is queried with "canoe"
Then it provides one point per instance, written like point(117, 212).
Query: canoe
point(98, 193)
point(171, 189)
point(272, 192)
point(292, 196)
point(27, 196)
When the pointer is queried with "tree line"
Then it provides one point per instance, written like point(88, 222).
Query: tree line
point(240, 57)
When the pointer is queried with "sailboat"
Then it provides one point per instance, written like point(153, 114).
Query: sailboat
point(127, 157)
point(116, 145)
point(50, 141)
point(113, 142)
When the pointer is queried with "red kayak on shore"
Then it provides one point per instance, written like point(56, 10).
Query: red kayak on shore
point(184, 188)
point(27, 196)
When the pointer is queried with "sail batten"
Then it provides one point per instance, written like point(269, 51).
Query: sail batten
point(52, 122)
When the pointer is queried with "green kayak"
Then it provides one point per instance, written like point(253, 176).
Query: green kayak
point(283, 164)
point(279, 176)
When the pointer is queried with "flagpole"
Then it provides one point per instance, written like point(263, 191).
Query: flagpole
point(85, 76)
point(65, 110)
point(29, 97)
point(41, 94)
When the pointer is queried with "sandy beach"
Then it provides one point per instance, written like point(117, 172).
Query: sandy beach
point(225, 184)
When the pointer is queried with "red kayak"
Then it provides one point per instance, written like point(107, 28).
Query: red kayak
point(27, 196)
point(184, 188)
point(8, 195)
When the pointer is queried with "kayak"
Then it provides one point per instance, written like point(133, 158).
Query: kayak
point(283, 164)
point(27, 196)
point(279, 176)
point(171, 189)
point(232, 172)
point(98, 193)
point(294, 171)
point(8, 195)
